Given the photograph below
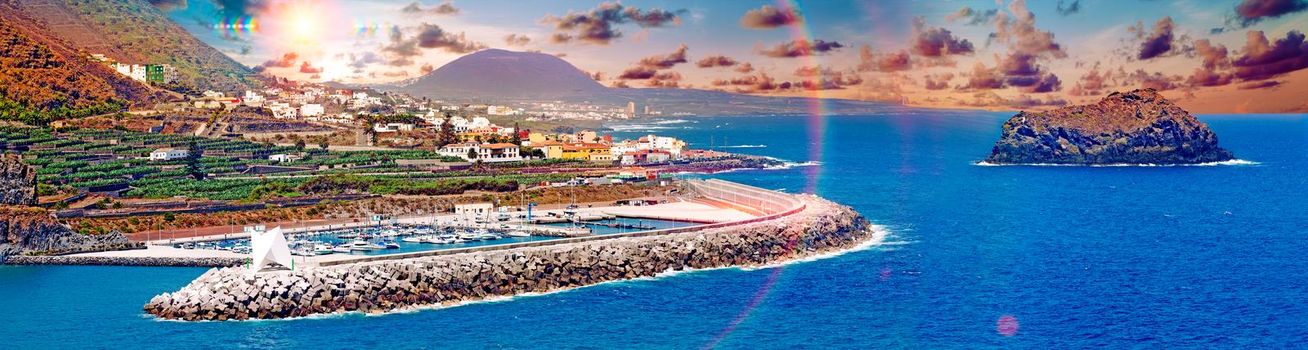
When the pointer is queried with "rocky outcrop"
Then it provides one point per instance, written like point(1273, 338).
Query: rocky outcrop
point(1137, 127)
point(232, 293)
point(32, 231)
point(17, 181)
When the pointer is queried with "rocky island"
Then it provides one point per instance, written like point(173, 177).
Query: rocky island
point(1136, 127)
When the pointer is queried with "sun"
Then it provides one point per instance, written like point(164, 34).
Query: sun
point(303, 22)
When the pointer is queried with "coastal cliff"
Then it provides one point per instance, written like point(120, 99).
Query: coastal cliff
point(17, 181)
point(1136, 127)
point(231, 293)
point(32, 231)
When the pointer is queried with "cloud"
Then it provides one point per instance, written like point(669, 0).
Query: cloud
point(833, 81)
point(991, 99)
point(241, 8)
point(287, 60)
point(445, 8)
point(801, 47)
point(597, 26)
point(619, 84)
point(1070, 8)
point(168, 5)
point(716, 61)
point(637, 73)
point(1262, 60)
point(811, 71)
point(983, 78)
point(1020, 33)
point(1215, 58)
point(598, 76)
point(937, 81)
point(402, 50)
point(648, 69)
point(664, 80)
point(1021, 71)
point(1260, 85)
point(745, 68)
point(431, 36)
point(307, 68)
point(936, 42)
point(359, 61)
point(1205, 77)
point(1093, 83)
point(1157, 81)
point(760, 82)
point(516, 40)
point(768, 17)
point(426, 68)
point(1017, 70)
point(972, 17)
point(1249, 12)
point(560, 38)
point(665, 61)
point(652, 18)
point(1160, 41)
point(888, 62)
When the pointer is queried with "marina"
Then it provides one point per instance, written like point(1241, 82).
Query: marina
point(420, 234)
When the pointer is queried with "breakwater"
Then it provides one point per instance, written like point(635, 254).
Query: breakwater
point(813, 227)
point(124, 261)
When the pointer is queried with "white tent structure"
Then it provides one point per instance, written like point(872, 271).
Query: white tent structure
point(269, 247)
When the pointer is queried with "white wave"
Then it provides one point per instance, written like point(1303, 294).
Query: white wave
point(641, 127)
point(790, 165)
point(1233, 162)
point(879, 234)
point(674, 121)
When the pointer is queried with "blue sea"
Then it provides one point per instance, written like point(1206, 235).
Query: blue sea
point(977, 257)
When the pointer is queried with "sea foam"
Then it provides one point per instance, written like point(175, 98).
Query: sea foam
point(1233, 162)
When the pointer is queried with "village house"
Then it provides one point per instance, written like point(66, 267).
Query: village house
point(166, 154)
point(485, 152)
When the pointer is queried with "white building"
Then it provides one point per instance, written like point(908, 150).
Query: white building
point(283, 158)
point(486, 152)
point(479, 122)
point(502, 110)
point(166, 154)
point(392, 127)
point(252, 99)
point(311, 110)
point(474, 209)
point(282, 110)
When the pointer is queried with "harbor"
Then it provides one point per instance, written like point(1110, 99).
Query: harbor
point(785, 227)
point(384, 236)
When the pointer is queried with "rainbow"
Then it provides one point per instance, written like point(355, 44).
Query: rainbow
point(816, 115)
point(237, 26)
point(817, 107)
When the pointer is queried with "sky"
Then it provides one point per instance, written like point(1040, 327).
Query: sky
point(1213, 56)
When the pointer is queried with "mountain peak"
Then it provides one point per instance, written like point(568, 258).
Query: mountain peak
point(496, 73)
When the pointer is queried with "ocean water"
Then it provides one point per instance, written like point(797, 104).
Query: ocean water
point(978, 257)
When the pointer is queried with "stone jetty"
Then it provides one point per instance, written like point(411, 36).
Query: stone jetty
point(124, 261)
point(813, 226)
